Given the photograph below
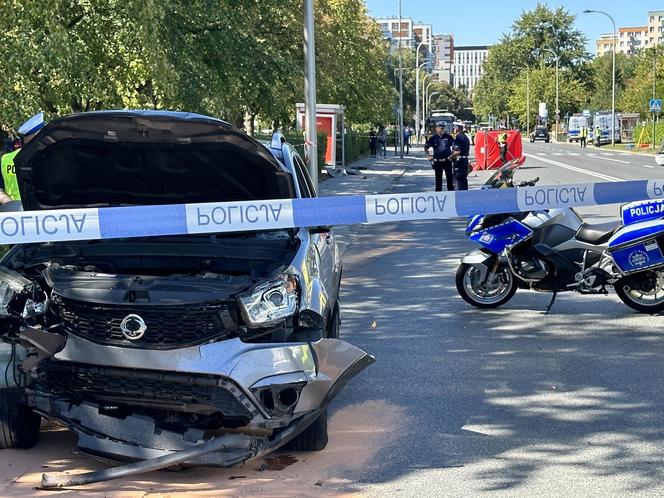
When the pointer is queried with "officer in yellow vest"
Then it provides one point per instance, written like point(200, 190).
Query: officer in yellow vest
point(8, 184)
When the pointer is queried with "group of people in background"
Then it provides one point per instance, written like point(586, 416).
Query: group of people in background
point(378, 141)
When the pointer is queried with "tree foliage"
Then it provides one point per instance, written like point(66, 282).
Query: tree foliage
point(227, 58)
point(536, 38)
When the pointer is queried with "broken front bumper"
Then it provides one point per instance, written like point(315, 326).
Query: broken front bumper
point(255, 376)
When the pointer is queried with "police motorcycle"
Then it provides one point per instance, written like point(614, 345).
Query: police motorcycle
point(554, 250)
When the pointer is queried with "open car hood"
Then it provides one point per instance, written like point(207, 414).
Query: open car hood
point(119, 158)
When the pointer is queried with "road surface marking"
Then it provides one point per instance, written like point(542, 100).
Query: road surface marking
point(558, 154)
point(574, 154)
point(609, 159)
point(541, 154)
point(648, 166)
point(578, 170)
point(607, 154)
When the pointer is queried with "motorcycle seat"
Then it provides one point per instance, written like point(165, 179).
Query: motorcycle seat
point(597, 233)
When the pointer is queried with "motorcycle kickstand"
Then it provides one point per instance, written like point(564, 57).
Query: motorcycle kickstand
point(553, 300)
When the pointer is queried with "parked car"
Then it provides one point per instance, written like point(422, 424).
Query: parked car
point(659, 155)
point(539, 133)
point(149, 346)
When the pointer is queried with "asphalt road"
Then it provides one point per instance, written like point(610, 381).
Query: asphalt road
point(509, 401)
point(460, 402)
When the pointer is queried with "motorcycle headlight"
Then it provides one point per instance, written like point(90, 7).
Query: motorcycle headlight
point(270, 302)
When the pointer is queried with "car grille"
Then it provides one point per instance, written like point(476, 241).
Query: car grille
point(144, 386)
point(167, 326)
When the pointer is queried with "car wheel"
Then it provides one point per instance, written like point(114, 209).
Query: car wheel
point(313, 438)
point(19, 424)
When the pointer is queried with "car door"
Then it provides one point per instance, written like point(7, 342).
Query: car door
point(325, 242)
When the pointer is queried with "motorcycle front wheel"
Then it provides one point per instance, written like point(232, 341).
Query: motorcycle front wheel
point(643, 291)
point(484, 294)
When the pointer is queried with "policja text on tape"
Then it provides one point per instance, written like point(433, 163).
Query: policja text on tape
point(21, 227)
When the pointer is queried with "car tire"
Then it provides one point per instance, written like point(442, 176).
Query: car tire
point(313, 438)
point(19, 424)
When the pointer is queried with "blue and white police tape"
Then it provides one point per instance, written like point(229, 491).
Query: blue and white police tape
point(181, 219)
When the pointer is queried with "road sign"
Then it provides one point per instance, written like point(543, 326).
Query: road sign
point(655, 105)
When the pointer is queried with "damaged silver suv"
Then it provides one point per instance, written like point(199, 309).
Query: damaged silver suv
point(146, 347)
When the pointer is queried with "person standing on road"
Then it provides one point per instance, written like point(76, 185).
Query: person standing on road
point(462, 147)
point(583, 136)
point(373, 139)
point(598, 136)
point(406, 138)
point(502, 146)
point(441, 160)
point(382, 140)
point(8, 183)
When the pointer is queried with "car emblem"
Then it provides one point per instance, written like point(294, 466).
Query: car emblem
point(133, 327)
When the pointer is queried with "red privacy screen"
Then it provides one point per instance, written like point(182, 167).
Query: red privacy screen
point(487, 149)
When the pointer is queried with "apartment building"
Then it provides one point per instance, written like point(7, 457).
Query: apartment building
point(655, 35)
point(443, 58)
point(410, 34)
point(469, 65)
point(632, 39)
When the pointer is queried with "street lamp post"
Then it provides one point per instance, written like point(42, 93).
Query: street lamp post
point(400, 137)
point(422, 118)
point(527, 101)
point(426, 100)
point(557, 86)
point(310, 92)
point(417, 86)
point(613, 84)
point(429, 98)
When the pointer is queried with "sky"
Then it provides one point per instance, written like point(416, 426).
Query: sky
point(481, 22)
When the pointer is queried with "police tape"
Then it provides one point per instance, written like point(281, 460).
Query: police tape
point(22, 227)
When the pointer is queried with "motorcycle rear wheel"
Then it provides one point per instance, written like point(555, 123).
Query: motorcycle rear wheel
point(643, 292)
point(478, 294)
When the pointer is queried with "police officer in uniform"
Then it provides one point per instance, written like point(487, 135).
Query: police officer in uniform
point(462, 147)
point(441, 160)
point(8, 184)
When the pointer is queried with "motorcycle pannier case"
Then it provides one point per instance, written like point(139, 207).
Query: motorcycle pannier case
point(638, 246)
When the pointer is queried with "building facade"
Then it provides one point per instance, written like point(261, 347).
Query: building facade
point(410, 34)
point(443, 58)
point(469, 66)
point(655, 35)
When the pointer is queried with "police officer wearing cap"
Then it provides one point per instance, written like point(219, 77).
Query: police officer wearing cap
point(8, 184)
point(462, 147)
point(441, 160)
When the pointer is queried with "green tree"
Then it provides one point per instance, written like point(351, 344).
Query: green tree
point(639, 89)
point(601, 69)
point(529, 44)
point(543, 89)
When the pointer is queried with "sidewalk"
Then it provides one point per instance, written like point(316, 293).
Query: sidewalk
point(376, 176)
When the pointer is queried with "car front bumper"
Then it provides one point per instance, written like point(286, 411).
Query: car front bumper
point(319, 370)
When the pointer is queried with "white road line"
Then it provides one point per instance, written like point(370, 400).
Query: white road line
point(608, 159)
point(648, 166)
point(558, 154)
point(578, 170)
point(607, 154)
point(541, 154)
point(574, 154)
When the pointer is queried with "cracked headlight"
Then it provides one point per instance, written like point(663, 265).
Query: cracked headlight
point(270, 302)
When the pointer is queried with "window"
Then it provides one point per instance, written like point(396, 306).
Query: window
point(306, 187)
